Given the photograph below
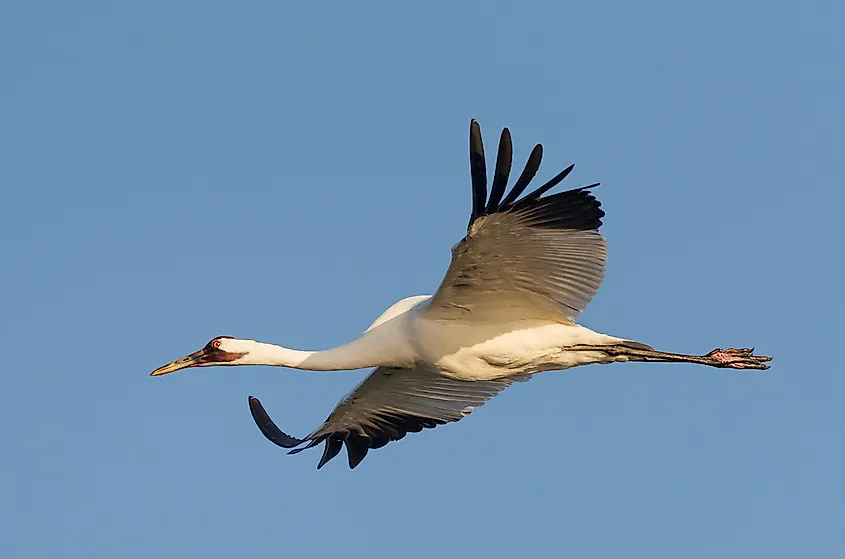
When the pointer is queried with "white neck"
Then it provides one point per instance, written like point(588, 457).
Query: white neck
point(339, 358)
point(362, 353)
point(386, 343)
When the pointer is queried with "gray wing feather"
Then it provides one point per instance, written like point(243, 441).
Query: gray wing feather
point(386, 406)
point(535, 257)
point(506, 266)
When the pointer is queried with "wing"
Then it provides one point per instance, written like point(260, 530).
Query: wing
point(530, 257)
point(386, 406)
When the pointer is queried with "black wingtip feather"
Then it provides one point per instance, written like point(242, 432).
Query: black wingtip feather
point(391, 427)
point(358, 443)
point(268, 428)
point(560, 210)
point(527, 175)
point(534, 195)
point(357, 447)
point(573, 209)
point(311, 444)
point(478, 170)
point(504, 160)
point(334, 445)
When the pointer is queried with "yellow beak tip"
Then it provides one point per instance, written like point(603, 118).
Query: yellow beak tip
point(161, 371)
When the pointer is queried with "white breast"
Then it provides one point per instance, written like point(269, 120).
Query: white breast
point(478, 352)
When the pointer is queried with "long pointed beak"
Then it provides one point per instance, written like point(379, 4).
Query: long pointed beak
point(192, 360)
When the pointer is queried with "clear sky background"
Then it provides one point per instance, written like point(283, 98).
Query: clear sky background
point(284, 171)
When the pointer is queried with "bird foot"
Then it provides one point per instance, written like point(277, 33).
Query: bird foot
point(743, 358)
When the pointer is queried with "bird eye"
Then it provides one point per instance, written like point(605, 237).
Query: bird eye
point(215, 344)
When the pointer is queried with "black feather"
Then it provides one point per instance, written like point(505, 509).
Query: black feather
point(574, 209)
point(268, 428)
point(385, 427)
point(357, 447)
point(478, 170)
point(311, 444)
point(504, 160)
point(378, 440)
point(333, 446)
point(531, 168)
point(545, 188)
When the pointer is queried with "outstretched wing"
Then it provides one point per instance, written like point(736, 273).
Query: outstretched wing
point(387, 405)
point(529, 257)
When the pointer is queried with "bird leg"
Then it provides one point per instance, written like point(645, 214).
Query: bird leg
point(729, 358)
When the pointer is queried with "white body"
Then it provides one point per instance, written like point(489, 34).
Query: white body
point(472, 351)
point(403, 337)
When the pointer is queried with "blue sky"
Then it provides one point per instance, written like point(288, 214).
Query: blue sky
point(173, 171)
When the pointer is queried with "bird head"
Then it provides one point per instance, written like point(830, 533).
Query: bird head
point(222, 350)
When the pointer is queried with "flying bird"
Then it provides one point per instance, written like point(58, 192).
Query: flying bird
point(527, 267)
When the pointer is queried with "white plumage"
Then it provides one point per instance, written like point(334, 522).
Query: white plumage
point(504, 311)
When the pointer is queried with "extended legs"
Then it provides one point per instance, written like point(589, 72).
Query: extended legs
point(730, 358)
